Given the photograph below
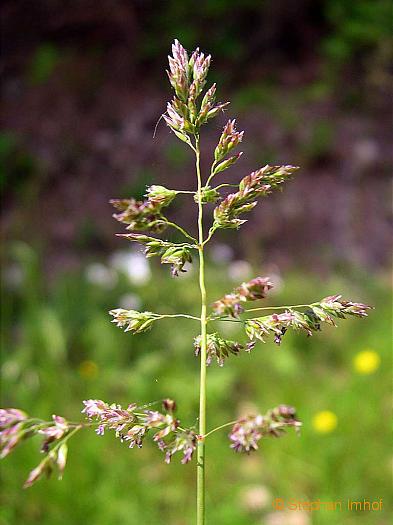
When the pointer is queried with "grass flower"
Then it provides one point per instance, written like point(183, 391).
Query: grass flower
point(253, 290)
point(309, 321)
point(258, 184)
point(219, 348)
point(177, 255)
point(247, 431)
point(132, 320)
point(133, 424)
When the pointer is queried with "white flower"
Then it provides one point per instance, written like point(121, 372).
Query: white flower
point(13, 276)
point(130, 301)
point(101, 275)
point(230, 329)
point(221, 253)
point(134, 265)
point(239, 270)
point(255, 497)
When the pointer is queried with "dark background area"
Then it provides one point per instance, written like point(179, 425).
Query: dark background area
point(84, 86)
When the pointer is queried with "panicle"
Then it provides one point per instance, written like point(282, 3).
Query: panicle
point(206, 195)
point(55, 432)
point(187, 76)
point(255, 289)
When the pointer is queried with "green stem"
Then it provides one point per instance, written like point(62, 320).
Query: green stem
point(68, 436)
point(186, 316)
point(180, 229)
point(280, 307)
point(202, 386)
point(211, 233)
point(225, 185)
point(287, 307)
point(231, 423)
point(211, 175)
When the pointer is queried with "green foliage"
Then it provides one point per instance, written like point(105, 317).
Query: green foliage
point(44, 61)
point(17, 165)
point(357, 26)
point(100, 360)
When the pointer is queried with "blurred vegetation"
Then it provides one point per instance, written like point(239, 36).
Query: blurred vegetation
point(60, 347)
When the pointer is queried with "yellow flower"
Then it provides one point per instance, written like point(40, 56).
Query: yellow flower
point(366, 362)
point(324, 422)
point(88, 369)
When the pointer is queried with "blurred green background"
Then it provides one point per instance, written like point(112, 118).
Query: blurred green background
point(83, 87)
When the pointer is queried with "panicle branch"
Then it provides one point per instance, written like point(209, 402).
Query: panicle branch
point(138, 322)
point(258, 184)
point(170, 253)
point(16, 427)
point(309, 321)
point(219, 348)
point(147, 214)
point(229, 139)
point(132, 426)
point(231, 304)
point(247, 431)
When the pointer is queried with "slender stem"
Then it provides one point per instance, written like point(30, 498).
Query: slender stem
point(280, 307)
point(219, 428)
point(226, 319)
point(192, 147)
point(225, 185)
point(182, 230)
point(223, 318)
point(68, 436)
point(213, 166)
point(202, 386)
point(186, 316)
point(211, 232)
point(46, 424)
